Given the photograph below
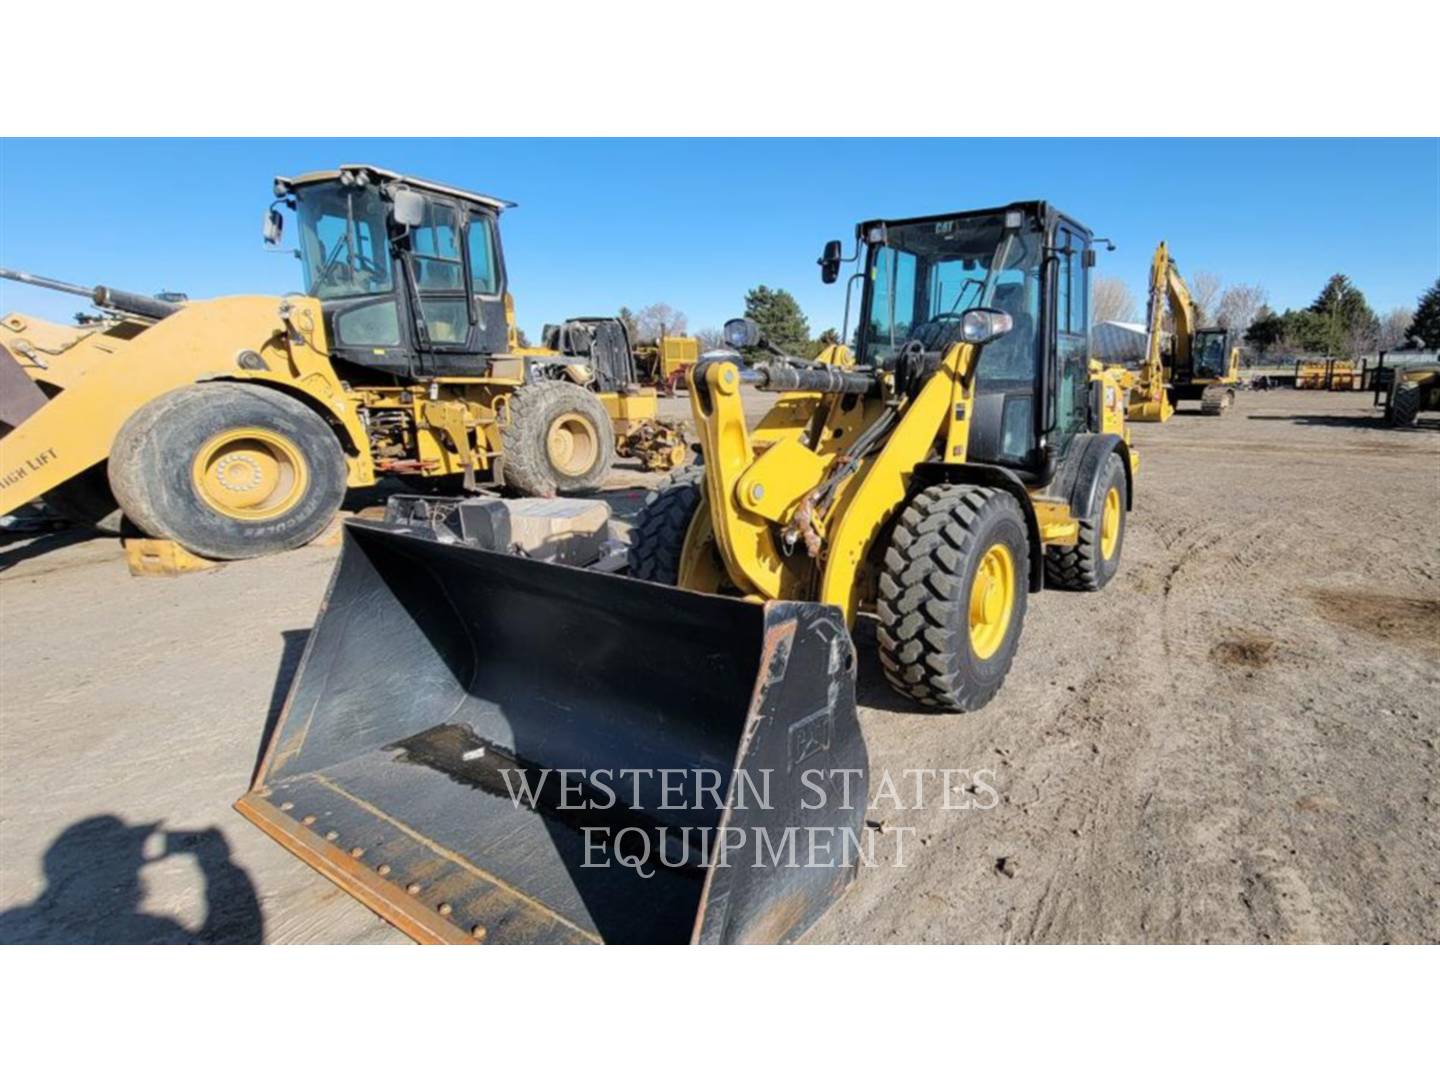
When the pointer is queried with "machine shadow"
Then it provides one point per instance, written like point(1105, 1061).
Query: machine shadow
point(1376, 423)
point(17, 547)
point(93, 889)
point(292, 650)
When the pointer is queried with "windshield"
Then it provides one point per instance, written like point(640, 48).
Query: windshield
point(929, 273)
point(343, 241)
point(1209, 359)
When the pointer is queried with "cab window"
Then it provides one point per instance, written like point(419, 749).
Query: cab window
point(480, 238)
point(435, 245)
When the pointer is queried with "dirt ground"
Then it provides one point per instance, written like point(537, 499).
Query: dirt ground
point(1236, 741)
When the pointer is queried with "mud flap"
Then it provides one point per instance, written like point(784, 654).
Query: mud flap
point(481, 746)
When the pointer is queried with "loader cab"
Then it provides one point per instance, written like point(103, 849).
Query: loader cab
point(409, 274)
point(1032, 387)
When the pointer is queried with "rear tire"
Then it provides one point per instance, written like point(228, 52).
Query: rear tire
point(1088, 565)
point(228, 471)
point(657, 538)
point(1404, 410)
point(87, 500)
point(559, 440)
point(952, 595)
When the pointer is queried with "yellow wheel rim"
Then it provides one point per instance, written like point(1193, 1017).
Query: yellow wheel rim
point(1110, 524)
point(573, 444)
point(992, 601)
point(251, 474)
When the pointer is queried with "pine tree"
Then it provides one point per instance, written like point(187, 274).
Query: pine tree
point(1349, 324)
point(780, 319)
point(1425, 327)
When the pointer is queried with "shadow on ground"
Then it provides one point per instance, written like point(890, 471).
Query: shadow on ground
point(16, 547)
point(93, 889)
point(1375, 423)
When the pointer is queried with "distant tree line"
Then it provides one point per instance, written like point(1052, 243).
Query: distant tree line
point(1339, 322)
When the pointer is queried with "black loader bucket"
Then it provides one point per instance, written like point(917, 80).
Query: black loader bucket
point(482, 746)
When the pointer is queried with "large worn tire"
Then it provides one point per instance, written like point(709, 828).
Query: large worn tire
point(228, 471)
point(1404, 410)
point(559, 440)
point(87, 500)
point(658, 536)
point(952, 592)
point(1089, 565)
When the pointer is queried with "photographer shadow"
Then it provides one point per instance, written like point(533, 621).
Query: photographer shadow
point(93, 890)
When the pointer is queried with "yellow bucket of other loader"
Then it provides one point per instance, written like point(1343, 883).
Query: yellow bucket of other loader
point(485, 747)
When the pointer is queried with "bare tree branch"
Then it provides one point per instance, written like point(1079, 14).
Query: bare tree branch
point(1112, 301)
point(1238, 306)
point(1204, 288)
point(658, 318)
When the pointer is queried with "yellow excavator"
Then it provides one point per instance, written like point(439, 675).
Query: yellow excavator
point(967, 455)
point(234, 426)
point(1186, 363)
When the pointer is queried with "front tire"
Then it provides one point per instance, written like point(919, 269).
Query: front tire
point(559, 440)
point(657, 539)
point(1088, 566)
point(228, 471)
point(952, 593)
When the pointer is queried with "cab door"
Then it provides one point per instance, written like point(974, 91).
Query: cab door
point(455, 260)
point(1070, 320)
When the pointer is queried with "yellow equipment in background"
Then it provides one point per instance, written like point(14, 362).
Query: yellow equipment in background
point(234, 426)
point(595, 352)
point(1329, 374)
point(664, 362)
point(1405, 392)
point(966, 457)
point(1198, 365)
point(1312, 374)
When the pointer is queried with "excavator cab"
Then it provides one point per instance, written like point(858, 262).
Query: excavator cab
point(1209, 355)
point(409, 273)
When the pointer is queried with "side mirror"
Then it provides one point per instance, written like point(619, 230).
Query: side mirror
point(830, 262)
point(980, 326)
point(407, 208)
point(742, 333)
point(273, 227)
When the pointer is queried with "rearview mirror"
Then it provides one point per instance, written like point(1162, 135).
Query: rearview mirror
point(408, 208)
point(830, 262)
point(980, 326)
point(272, 227)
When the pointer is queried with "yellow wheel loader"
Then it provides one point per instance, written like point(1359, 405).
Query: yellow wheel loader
point(1186, 364)
point(234, 426)
point(966, 456)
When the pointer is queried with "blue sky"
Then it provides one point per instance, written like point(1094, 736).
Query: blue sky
point(695, 223)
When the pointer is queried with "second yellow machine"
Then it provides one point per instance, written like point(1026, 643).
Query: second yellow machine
point(234, 426)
